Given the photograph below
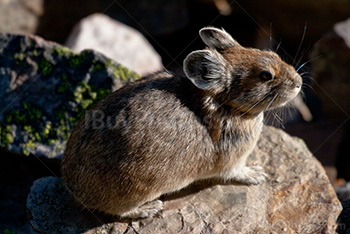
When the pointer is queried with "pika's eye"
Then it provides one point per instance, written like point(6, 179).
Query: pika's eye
point(266, 75)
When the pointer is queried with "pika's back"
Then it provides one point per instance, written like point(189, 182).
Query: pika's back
point(142, 134)
point(152, 116)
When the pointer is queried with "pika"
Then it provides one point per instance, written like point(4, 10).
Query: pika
point(163, 132)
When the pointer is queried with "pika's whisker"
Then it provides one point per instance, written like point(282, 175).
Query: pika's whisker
point(278, 46)
point(309, 61)
point(301, 42)
point(257, 103)
point(305, 73)
point(271, 101)
point(278, 118)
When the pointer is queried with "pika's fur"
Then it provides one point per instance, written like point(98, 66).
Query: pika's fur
point(163, 132)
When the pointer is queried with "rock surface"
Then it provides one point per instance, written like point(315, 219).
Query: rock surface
point(297, 198)
point(44, 90)
point(117, 41)
point(331, 72)
point(20, 16)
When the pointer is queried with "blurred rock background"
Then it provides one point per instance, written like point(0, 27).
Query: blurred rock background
point(314, 33)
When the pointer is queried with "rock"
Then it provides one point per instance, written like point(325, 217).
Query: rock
point(297, 198)
point(44, 90)
point(117, 41)
point(342, 29)
point(151, 17)
point(59, 19)
point(331, 72)
point(20, 16)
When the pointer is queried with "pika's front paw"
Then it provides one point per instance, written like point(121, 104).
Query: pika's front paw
point(251, 175)
point(148, 209)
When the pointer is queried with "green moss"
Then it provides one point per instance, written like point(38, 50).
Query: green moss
point(63, 130)
point(84, 95)
point(77, 59)
point(29, 147)
point(32, 120)
point(9, 138)
point(6, 136)
point(62, 51)
point(120, 72)
point(64, 84)
point(126, 74)
point(47, 129)
point(31, 42)
point(19, 56)
point(102, 93)
point(45, 66)
point(17, 117)
point(8, 231)
point(97, 67)
point(29, 119)
point(32, 112)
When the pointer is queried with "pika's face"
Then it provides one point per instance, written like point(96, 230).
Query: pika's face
point(259, 80)
point(248, 80)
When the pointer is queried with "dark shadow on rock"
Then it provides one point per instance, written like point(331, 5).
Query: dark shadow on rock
point(17, 173)
point(197, 186)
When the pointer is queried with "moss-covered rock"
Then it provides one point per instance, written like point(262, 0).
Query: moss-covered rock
point(45, 89)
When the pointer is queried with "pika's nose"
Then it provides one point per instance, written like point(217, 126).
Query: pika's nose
point(298, 81)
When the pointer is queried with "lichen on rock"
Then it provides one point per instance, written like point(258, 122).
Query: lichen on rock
point(45, 89)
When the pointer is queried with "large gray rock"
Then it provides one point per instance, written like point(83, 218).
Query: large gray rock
point(297, 198)
point(331, 71)
point(45, 89)
point(117, 41)
point(20, 16)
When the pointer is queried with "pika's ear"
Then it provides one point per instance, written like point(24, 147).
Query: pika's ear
point(216, 38)
point(205, 69)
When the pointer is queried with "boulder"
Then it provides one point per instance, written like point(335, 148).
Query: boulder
point(331, 72)
point(20, 16)
point(297, 198)
point(44, 90)
point(117, 41)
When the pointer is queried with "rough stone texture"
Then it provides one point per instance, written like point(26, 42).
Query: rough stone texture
point(44, 90)
point(331, 71)
point(117, 41)
point(20, 16)
point(297, 198)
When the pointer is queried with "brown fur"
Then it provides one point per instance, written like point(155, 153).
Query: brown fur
point(164, 132)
